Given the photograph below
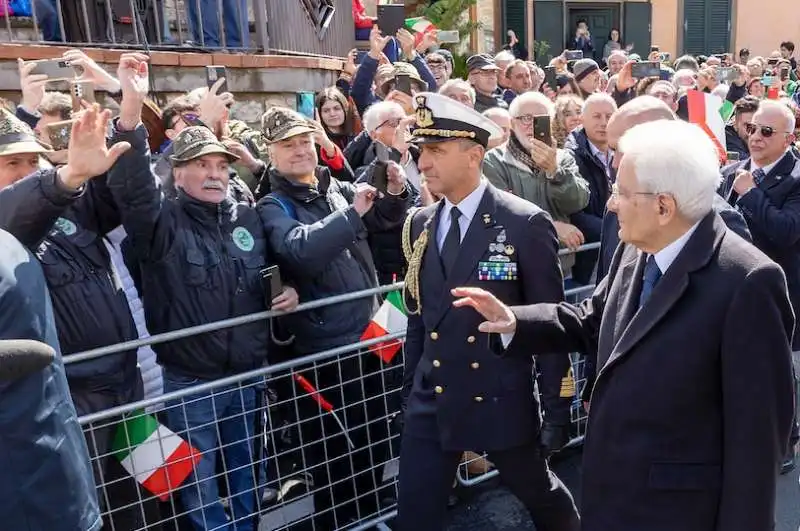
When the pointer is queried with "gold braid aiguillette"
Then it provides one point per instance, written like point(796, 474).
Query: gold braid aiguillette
point(414, 258)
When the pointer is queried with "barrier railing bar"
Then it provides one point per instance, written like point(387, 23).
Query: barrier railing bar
point(226, 323)
point(375, 521)
point(237, 378)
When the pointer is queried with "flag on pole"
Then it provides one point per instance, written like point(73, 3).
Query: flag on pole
point(705, 111)
point(726, 111)
point(390, 319)
point(150, 452)
point(419, 26)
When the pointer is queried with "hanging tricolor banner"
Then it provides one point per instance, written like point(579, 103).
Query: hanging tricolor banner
point(390, 318)
point(704, 111)
point(419, 26)
point(150, 452)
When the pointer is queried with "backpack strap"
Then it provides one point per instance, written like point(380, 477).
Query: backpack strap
point(285, 204)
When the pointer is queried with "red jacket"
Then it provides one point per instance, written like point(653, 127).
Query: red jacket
point(362, 21)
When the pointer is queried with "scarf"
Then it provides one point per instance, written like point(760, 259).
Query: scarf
point(519, 152)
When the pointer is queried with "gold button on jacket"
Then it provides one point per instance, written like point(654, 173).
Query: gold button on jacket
point(475, 365)
point(471, 339)
point(437, 363)
point(438, 389)
point(434, 335)
point(478, 399)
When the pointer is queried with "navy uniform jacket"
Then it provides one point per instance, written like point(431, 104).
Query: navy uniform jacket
point(692, 407)
point(46, 482)
point(455, 388)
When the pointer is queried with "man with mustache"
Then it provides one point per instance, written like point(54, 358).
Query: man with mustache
point(201, 257)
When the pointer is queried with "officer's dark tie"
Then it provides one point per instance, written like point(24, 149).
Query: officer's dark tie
point(452, 241)
point(759, 176)
point(652, 274)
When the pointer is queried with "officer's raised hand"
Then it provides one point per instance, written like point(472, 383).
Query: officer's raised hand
point(499, 317)
point(88, 155)
point(134, 80)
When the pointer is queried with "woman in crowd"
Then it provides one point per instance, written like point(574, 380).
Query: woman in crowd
point(567, 117)
point(755, 88)
point(566, 84)
point(612, 44)
point(336, 116)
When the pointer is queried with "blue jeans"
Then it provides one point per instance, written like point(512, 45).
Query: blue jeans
point(234, 17)
point(210, 421)
point(47, 18)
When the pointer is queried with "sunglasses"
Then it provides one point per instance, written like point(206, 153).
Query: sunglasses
point(766, 131)
point(189, 118)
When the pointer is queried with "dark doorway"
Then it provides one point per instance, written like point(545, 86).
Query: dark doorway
point(600, 17)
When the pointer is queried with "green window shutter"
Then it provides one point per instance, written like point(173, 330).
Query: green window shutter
point(637, 26)
point(694, 26)
point(718, 26)
point(514, 19)
point(548, 26)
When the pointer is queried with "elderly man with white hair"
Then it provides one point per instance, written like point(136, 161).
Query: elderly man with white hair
point(766, 189)
point(687, 430)
point(459, 90)
point(547, 177)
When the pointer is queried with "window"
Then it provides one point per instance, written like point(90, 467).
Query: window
point(706, 26)
point(320, 12)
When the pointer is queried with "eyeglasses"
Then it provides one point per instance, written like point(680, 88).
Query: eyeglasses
point(437, 66)
point(765, 130)
point(391, 122)
point(526, 119)
point(189, 118)
point(616, 194)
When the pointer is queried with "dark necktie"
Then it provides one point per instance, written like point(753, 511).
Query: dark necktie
point(652, 274)
point(452, 242)
point(759, 176)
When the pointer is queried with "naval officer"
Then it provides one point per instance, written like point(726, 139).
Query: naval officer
point(457, 393)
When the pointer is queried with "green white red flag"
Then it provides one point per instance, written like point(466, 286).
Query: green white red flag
point(390, 318)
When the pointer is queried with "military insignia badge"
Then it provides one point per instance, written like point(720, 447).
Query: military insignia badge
point(424, 114)
point(487, 219)
point(243, 239)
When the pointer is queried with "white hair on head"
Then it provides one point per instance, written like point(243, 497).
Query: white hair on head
point(530, 97)
point(598, 97)
point(504, 57)
point(677, 158)
point(458, 83)
point(374, 116)
point(498, 112)
point(620, 53)
point(773, 106)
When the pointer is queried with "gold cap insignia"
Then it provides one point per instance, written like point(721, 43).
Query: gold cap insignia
point(424, 114)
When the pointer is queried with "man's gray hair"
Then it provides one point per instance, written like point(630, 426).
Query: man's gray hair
point(598, 97)
point(504, 56)
point(458, 83)
point(530, 97)
point(781, 108)
point(686, 61)
point(375, 114)
point(496, 111)
point(677, 158)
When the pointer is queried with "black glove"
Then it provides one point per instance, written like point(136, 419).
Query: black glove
point(553, 437)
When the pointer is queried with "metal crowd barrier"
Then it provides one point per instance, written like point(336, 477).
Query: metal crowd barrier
point(307, 443)
point(204, 24)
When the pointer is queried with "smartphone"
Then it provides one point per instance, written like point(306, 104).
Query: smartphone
point(784, 73)
point(573, 55)
point(271, 283)
point(391, 18)
point(727, 74)
point(733, 156)
point(450, 36)
point(664, 57)
point(403, 84)
point(55, 69)
point(773, 61)
point(59, 133)
point(360, 55)
point(81, 91)
point(655, 48)
point(213, 74)
point(541, 129)
point(550, 77)
point(305, 104)
point(646, 69)
point(767, 81)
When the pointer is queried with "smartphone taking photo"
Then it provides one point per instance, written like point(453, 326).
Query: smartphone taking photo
point(215, 73)
point(541, 129)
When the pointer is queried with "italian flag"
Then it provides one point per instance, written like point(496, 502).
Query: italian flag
point(705, 111)
point(726, 111)
point(154, 455)
point(420, 26)
point(390, 319)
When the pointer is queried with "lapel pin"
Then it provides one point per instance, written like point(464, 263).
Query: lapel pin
point(487, 218)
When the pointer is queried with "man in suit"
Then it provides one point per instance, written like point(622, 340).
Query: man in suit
point(692, 406)
point(766, 189)
point(639, 111)
point(47, 479)
point(458, 395)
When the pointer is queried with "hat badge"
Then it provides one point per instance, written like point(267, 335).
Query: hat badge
point(424, 114)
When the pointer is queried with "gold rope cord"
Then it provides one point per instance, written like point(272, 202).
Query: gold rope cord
point(414, 258)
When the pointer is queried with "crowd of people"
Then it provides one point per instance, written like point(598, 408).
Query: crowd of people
point(135, 238)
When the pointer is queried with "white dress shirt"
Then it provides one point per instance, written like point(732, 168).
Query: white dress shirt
point(603, 156)
point(468, 207)
point(768, 168)
point(664, 258)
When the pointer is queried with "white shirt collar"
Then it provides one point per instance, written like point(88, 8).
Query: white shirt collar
point(468, 206)
point(769, 167)
point(666, 256)
point(598, 153)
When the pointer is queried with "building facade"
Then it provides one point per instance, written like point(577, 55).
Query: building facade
point(676, 26)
